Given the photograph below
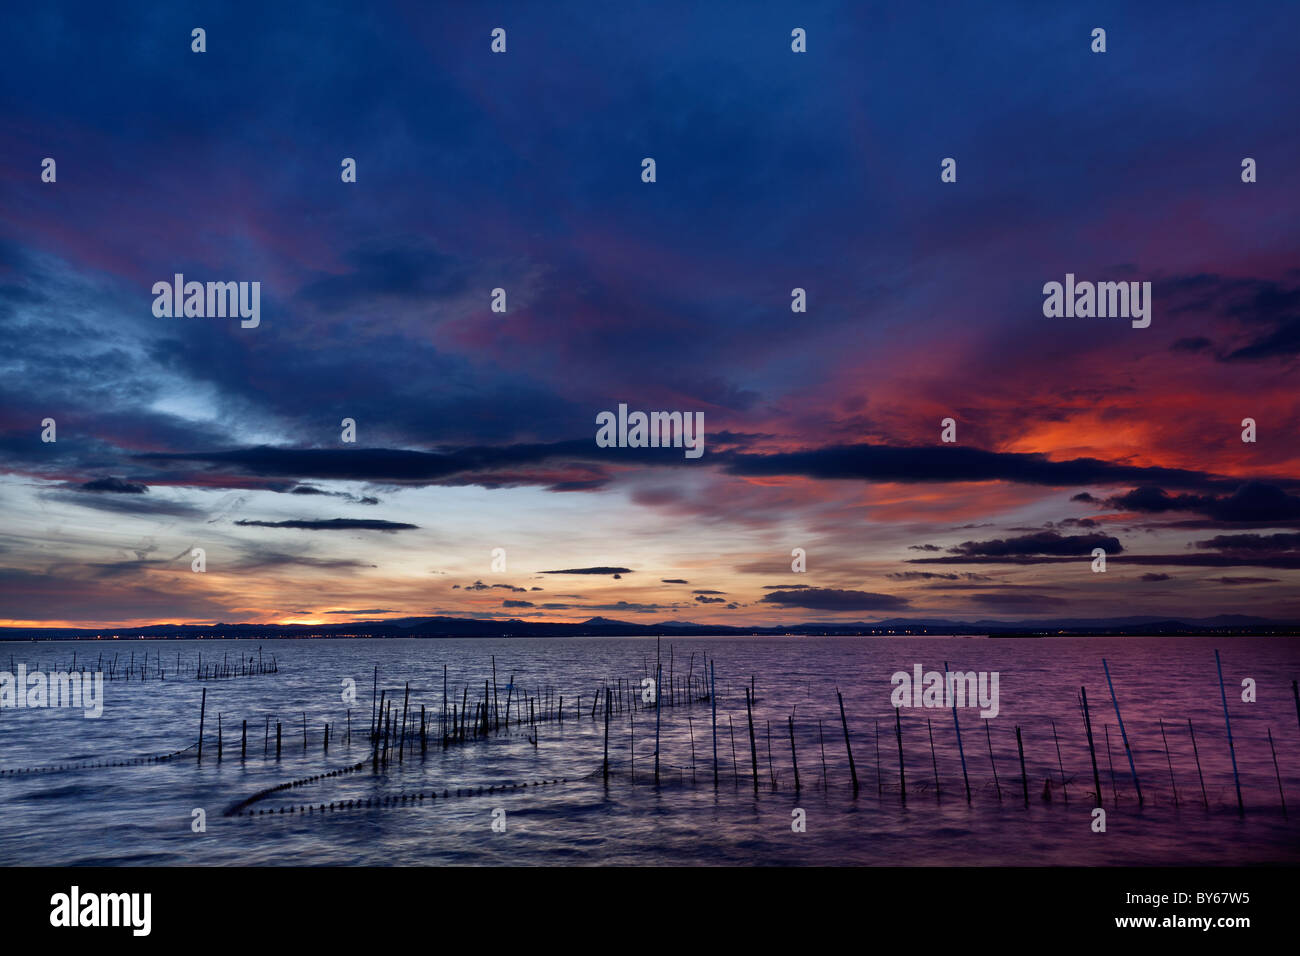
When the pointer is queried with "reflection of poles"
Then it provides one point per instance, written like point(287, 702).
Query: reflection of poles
point(1128, 750)
point(1241, 807)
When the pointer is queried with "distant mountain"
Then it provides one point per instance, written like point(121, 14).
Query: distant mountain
point(442, 626)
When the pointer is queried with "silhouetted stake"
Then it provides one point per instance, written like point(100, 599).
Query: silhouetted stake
point(510, 690)
point(658, 704)
point(794, 758)
point(243, 742)
point(423, 746)
point(844, 722)
point(957, 725)
point(902, 776)
point(713, 699)
point(326, 747)
point(1110, 759)
point(989, 737)
point(771, 771)
point(1137, 787)
point(266, 735)
point(822, 738)
point(605, 765)
point(401, 739)
point(753, 749)
point(1092, 750)
point(735, 771)
point(1059, 762)
point(277, 740)
point(880, 784)
point(203, 706)
point(691, 727)
point(1295, 692)
point(1205, 799)
point(1277, 773)
point(496, 703)
point(304, 731)
point(350, 726)
point(1172, 786)
point(374, 692)
point(379, 724)
point(444, 704)
point(218, 729)
point(933, 759)
point(1232, 750)
point(1024, 780)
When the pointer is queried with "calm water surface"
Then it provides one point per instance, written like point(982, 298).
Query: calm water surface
point(142, 814)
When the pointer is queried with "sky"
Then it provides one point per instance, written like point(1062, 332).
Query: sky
point(775, 170)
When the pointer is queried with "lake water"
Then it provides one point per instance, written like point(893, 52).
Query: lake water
point(142, 814)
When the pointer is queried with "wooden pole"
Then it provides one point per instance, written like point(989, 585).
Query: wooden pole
point(1123, 734)
point(1205, 799)
point(713, 700)
point(690, 724)
point(1060, 763)
point(243, 742)
point(735, 771)
point(934, 760)
point(957, 725)
point(822, 738)
point(1295, 692)
point(1092, 750)
point(1024, 779)
point(771, 771)
point(1277, 773)
point(1232, 750)
point(902, 776)
point(401, 739)
point(988, 735)
point(1110, 759)
point(880, 784)
point(1172, 785)
point(794, 758)
point(753, 749)
point(605, 765)
point(844, 722)
point(658, 706)
point(203, 706)
point(277, 740)
point(496, 703)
